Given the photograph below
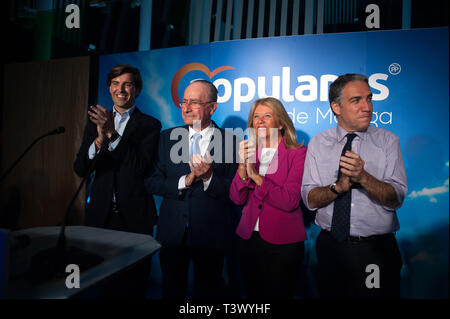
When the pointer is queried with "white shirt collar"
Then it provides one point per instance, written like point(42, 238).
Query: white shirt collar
point(126, 113)
point(341, 133)
point(206, 133)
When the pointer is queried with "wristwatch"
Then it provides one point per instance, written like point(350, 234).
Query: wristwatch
point(333, 189)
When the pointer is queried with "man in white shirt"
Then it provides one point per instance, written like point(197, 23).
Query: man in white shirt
point(120, 147)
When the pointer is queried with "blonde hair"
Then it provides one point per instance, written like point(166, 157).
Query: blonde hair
point(281, 116)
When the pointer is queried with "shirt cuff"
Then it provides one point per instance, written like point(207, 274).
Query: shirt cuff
point(182, 183)
point(399, 193)
point(206, 184)
point(305, 192)
point(114, 144)
point(92, 151)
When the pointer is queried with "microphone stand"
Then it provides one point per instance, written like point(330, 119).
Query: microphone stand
point(22, 241)
point(59, 130)
point(51, 263)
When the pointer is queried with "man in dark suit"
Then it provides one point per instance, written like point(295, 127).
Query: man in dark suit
point(193, 173)
point(121, 145)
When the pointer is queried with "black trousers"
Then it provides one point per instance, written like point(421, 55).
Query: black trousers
point(131, 283)
point(207, 264)
point(358, 269)
point(270, 271)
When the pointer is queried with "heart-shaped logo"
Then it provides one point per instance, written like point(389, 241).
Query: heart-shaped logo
point(188, 68)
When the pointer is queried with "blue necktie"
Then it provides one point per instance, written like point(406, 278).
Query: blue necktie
point(195, 146)
point(340, 224)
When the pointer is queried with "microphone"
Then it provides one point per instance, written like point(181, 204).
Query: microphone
point(50, 263)
point(58, 130)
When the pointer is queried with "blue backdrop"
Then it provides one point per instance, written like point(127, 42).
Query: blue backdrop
point(408, 74)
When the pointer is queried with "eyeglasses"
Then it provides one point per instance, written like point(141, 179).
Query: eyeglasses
point(193, 103)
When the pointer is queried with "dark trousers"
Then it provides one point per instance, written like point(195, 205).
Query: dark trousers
point(207, 264)
point(131, 283)
point(270, 271)
point(355, 269)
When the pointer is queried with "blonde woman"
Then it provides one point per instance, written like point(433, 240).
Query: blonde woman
point(268, 182)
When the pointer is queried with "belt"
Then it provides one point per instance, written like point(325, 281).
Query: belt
point(357, 239)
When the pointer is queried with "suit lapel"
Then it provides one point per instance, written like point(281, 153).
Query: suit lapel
point(218, 134)
point(277, 158)
point(132, 124)
point(182, 167)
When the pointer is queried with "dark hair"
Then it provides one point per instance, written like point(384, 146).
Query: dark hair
point(118, 70)
point(336, 88)
point(211, 88)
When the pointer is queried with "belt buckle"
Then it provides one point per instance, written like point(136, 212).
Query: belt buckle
point(356, 239)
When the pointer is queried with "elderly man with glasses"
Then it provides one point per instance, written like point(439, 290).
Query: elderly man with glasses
point(193, 175)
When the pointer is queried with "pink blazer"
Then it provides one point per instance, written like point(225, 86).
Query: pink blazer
point(276, 201)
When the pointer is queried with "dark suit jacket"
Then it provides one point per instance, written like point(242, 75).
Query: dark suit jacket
point(210, 214)
point(126, 167)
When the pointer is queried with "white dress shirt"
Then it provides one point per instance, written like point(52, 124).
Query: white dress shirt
point(266, 157)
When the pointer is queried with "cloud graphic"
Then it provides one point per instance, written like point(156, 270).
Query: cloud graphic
point(155, 88)
point(430, 192)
